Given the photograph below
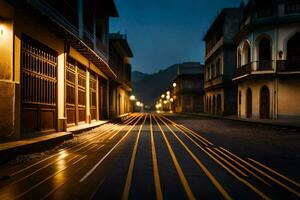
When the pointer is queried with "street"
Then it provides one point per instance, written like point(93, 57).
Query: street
point(155, 156)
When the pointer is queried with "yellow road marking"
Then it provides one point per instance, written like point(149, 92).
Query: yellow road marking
point(228, 163)
point(106, 155)
point(201, 165)
point(261, 194)
point(198, 136)
point(265, 174)
point(158, 191)
point(242, 166)
point(275, 172)
point(131, 165)
point(183, 180)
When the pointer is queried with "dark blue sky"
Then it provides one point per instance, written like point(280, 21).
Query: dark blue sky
point(165, 32)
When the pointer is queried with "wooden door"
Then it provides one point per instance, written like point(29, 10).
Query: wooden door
point(81, 87)
point(71, 91)
point(38, 87)
point(264, 103)
point(93, 96)
point(249, 103)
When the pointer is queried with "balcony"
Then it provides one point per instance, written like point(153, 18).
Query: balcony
point(215, 47)
point(288, 66)
point(263, 65)
point(256, 67)
point(214, 81)
point(243, 70)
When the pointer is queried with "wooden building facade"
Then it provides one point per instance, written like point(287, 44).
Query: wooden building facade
point(54, 67)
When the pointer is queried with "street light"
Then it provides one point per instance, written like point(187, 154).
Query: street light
point(163, 96)
point(171, 99)
point(138, 103)
point(168, 93)
point(174, 85)
point(132, 98)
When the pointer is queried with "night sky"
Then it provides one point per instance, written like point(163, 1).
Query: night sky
point(165, 32)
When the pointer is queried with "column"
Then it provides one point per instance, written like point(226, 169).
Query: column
point(87, 95)
point(62, 120)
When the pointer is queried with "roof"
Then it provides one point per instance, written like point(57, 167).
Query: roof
point(120, 42)
point(218, 20)
point(189, 68)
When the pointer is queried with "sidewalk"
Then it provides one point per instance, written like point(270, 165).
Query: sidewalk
point(41, 142)
point(10, 150)
point(295, 124)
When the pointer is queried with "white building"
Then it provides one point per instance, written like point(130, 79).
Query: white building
point(268, 60)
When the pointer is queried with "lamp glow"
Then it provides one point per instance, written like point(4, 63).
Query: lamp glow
point(174, 84)
point(132, 98)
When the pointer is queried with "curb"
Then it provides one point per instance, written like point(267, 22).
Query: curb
point(283, 126)
point(38, 146)
point(13, 152)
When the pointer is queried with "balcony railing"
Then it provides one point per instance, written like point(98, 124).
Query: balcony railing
point(288, 65)
point(263, 65)
point(292, 7)
point(243, 70)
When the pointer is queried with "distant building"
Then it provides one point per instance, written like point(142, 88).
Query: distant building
point(188, 91)
point(54, 68)
point(220, 62)
point(120, 88)
point(268, 60)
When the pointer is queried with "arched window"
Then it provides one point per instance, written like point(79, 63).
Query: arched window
point(249, 103)
point(247, 53)
point(293, 51)
point(265, 54)
point(239, 59)
point(264, 109)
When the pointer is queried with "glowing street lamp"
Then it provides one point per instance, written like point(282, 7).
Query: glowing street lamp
point(171, 99)
point(168, 93)
point(168, 97)
point(174, 85)
point(138, 103)
point(163, 96)
point(132, 98)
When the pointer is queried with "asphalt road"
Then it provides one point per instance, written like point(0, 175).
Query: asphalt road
point(150, 156)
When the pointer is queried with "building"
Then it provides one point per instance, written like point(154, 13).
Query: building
point(54, 70)
point(120, 88)
point(220, 62)
point(268, 60)
point(188, 88)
